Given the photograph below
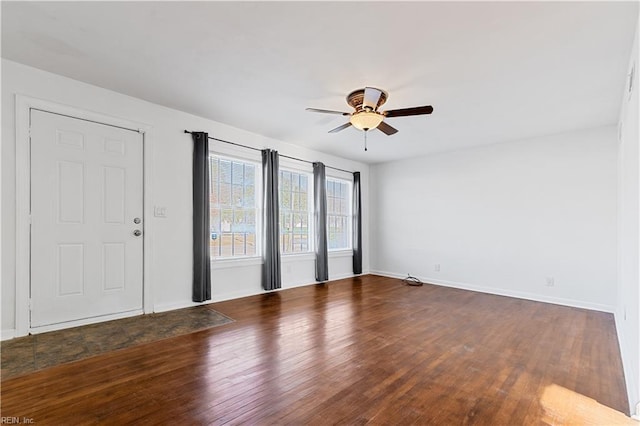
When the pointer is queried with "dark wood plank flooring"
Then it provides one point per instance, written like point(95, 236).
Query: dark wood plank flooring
point(355, 351)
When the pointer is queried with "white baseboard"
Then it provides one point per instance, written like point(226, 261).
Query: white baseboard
point(629, 374)
point(506, 292)
point(344, 276)
point(163, 307)
point(636, 416)
point(8, 334)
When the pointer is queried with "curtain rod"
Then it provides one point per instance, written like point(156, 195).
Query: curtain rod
point(281, 155)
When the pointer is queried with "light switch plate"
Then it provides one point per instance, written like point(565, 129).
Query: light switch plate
point(160, 211)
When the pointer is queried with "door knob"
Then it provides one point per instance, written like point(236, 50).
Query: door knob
point(136, 220)
point(137, 232)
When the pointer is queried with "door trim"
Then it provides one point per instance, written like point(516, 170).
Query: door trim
point(23, 106)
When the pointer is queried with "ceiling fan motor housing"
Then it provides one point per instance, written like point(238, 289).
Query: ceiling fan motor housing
point(356, 99)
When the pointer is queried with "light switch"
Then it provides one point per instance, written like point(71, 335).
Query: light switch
point(160, 211)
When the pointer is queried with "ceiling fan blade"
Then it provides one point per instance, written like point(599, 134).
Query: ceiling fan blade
point(404, 112)
point(386, 129)
point(337, 129)
point(328, 111)
point(371, 98)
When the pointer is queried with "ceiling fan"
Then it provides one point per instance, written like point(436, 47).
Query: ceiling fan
point(366, 116)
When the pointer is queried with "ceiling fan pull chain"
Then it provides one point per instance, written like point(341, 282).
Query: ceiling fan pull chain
point(365, 140)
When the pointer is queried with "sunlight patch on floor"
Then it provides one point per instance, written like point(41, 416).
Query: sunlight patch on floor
point(562, 406)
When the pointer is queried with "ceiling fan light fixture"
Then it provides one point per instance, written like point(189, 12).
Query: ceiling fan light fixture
point(366, 120)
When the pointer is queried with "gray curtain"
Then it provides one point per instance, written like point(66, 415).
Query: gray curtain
point(271, 278)
point(201, 231)
point(320, 220)
point(357, 225)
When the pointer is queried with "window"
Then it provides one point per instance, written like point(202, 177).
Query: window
point(338, 214)
point(294, 212)
point(233, 207)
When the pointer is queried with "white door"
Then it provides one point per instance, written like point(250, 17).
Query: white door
point(86, 195)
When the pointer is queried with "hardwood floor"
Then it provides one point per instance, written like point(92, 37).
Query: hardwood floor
point(355, 351)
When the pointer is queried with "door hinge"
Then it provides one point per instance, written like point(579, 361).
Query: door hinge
point(631, 77)
point(620, 132)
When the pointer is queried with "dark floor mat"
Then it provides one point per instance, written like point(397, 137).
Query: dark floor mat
point(35, 352)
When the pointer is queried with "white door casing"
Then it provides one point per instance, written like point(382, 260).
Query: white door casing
point(86, 191)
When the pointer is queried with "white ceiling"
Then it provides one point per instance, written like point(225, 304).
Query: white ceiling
point(493, 71)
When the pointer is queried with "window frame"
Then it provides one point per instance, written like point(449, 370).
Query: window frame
point(310, 207)
point(257, 257)
point(349, 215)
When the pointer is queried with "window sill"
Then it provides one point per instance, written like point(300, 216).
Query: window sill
point(235, 263)
point(284, 258)
point(341, 253)
point(296, 257)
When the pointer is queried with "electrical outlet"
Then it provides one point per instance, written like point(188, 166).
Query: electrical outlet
point(436, 267)
point(550, 281)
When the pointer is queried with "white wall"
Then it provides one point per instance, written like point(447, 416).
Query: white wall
point(628, 302)
point(505, 217)
point(170, 242)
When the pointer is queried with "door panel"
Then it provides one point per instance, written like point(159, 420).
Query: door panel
point(70, 191)
point(86, 189)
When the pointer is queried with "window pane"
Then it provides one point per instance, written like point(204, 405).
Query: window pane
point(225, 194)
point(250, 220)
point(214, 199)
point(239, 247)
point(238, 219)
point(214, 221)
point(238, 173)
point(225, 171)
point(213, 168)
point(294, 211)
point(250, 174)
point(295, 201)
point(213, 181)
point(338, 214)
point(285, 200)
point(251, 244)
point(226, 220)
point(226, 245)
point(250, 196)
point(233, 208)
point(238, 195)
point(286, 181)
point(295, 182)
point(296, 223)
